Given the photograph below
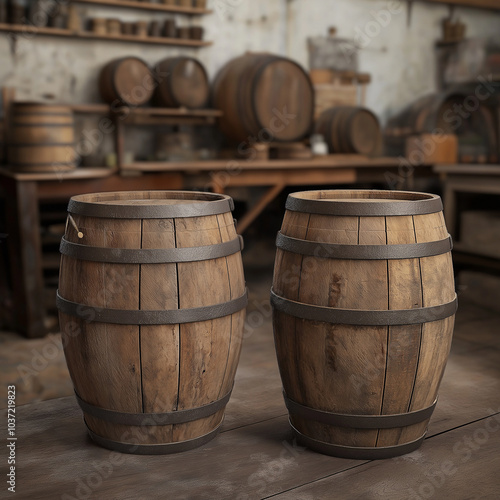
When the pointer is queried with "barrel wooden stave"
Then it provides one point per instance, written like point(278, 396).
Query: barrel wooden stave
point(41, 138)
point(183, 82)
point(183, 366)
point(127, 81)
point(255, 92)
point(364, 370)
point(350, 129)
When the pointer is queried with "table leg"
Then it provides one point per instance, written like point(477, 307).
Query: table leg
point(261, 204)
point(24, 246)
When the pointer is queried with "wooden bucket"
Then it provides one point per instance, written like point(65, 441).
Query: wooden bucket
point(127, 81)
point(151, 305)
point(363, 308)
point(182, 81)
point(350, 129)
point(41, 138)
point(264, 96)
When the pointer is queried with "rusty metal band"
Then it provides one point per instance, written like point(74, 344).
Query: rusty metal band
point(218, 204)
point(44, 125)
point(153, 449)
point(54, 164)
point(363, 317)
point(145, 317)
point(153, 419)
point(25, 145)
point(150, 255)
point(359, 421)
point(363, 252)
point(358, 452)
point(365, 208)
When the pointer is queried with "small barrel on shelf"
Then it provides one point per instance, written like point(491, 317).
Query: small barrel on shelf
point(181, 82)
point(350, 129)
point(41, 138)
point(152, 304)
point(127, 81)
point(364, 326)
point(264, 96)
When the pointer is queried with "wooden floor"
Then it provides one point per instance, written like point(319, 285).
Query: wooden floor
point(254, 457)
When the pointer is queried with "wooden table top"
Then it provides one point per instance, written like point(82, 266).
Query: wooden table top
point(253, 456)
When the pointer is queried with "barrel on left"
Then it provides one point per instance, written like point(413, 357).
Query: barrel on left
point(42, 138)
point(152, 304)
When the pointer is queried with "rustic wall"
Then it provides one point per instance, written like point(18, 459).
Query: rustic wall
point(400, 57)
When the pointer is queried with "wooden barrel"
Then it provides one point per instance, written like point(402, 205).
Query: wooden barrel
point(182, 82)
point(451, 112)
point(264, 96)
point(350, 129)
point(127, 81)
point(151, 305)
point(41, 138)
point(363, 309)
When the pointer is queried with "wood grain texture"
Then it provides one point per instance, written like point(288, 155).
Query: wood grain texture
point(153, 368)
point(371, 370)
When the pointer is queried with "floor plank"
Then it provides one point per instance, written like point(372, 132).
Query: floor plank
point(460, 464)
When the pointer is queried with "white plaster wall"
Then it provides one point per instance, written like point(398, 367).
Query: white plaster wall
point(400, 58)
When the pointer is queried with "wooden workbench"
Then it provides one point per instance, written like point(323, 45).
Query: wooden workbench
point(477, 179)
point(23, 193)
point(253, 457)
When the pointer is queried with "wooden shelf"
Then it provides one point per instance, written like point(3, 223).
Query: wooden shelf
point(330, 161)
point(78, 173)
point(158, 7)
point(30, 30)
point(474, 4)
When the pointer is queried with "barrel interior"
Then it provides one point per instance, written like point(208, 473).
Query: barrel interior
point(363, 195)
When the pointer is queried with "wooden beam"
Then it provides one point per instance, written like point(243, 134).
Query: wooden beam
point(479, 4)
point(257, 209)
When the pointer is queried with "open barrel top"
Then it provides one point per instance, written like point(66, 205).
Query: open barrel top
point(150, 204)
point(367, 203)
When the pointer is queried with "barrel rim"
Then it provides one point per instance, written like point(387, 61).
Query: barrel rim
point(214, 204)
point(397, 202)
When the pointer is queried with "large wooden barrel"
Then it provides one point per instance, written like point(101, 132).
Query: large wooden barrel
point(127, 81)
point(182, 82)
point(41, 138)
point(266, 97)
point(151, 304)
point(452, 112)
point(350, 129)
point(364, 303)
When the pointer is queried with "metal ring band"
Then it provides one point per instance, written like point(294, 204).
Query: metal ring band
point(145, 317)
point(359, 421)
point(363, 252)
point(153, 449)
point(358, 452)
point(150, 255)
point(366, 208)
point(363, 317)
point(212, 205)
point(150, 419)
point(44, 125)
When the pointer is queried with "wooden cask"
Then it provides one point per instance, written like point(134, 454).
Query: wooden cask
point(350, 129)
point(126, 81)
point(41, 138)
point(266, 97)
point(182, 82)
point(151, 304)
point(363, 309)
point(457, 112)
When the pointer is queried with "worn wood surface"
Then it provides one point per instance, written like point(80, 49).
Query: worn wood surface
point(254, 458)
